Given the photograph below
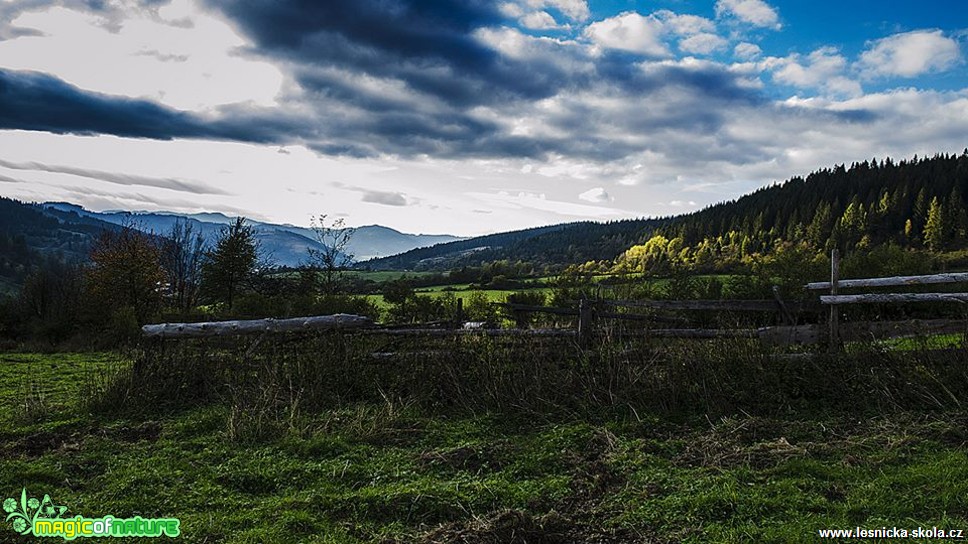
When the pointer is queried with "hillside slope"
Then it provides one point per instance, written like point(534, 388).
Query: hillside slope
point(915, 204)
point(31, 233)
point(553, 246)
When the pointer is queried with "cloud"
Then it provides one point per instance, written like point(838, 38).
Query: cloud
point(684, 24)
point(194, 187)
point(539, 202)
point(576, 10)
point(703, 43)
point(631, 32)
point(141, 49)
point(456, 82)
point(6, 179)
point(755, 12)
point(539, 20)
point(427, 45)
point(34, 101)
point(747, 51)
point(822, 69)
point(163, 57)
point(386, 198)
point(597, 194)
point(910, 54)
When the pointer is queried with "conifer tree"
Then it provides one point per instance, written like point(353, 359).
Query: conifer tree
point(935, 229)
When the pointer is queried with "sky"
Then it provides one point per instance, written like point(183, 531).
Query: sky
point(464, 117)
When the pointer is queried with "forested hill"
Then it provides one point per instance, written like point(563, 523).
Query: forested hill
point(31, 234)
point(555, 246)
point(918, 203)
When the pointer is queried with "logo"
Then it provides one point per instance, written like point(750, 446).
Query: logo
point(43, 518)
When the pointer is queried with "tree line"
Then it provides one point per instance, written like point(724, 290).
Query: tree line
point(917, 205)
point(132, 277)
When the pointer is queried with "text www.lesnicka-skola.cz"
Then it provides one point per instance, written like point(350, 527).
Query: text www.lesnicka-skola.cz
point(894, 532)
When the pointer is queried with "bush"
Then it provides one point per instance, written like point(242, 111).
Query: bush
point(268, 381)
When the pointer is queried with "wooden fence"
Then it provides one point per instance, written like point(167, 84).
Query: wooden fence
point(589, 317)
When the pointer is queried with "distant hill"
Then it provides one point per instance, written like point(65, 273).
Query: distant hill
point(31, 233)
point(287, 245)
point(915, 204)
point(553, 246)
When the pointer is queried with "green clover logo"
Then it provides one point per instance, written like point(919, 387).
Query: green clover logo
point(25, 512)
point(21, 516)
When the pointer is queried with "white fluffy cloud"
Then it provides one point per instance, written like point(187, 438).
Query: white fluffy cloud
point(539, 20)
point(755, 12)
point(823, 69)
point(685, 25)
point(703, 43)
point(910, 54)
point(630, 31)
point(747, 51)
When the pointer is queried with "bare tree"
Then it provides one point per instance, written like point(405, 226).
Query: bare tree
point(182, 253)
point(334, 256)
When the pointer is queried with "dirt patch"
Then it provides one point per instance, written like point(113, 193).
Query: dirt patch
point(520, 527)
point(39, 443)
point(474, 460)
point(149, 430)
point(71, 439)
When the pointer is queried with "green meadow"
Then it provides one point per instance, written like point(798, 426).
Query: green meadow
point(393, 470)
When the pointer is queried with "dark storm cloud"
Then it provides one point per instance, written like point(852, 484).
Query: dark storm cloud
point(429, 44)
point(194, 187)
point(428, 77)
point(368, 32)
point(34, 101)
point(436, 73)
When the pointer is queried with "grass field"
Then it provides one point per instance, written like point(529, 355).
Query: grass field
point(388, 472)
point(380, 276)
point(493, 295)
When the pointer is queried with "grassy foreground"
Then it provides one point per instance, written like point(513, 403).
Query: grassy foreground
point(389, 472)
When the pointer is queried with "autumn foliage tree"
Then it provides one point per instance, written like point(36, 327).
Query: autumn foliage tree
point(125, 274)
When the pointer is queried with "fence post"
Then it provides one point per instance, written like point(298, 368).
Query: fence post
point(584, 322)
point(787, 316)
point(459, 314)
point(834, 335)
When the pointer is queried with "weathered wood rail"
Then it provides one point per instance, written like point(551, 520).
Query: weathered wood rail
point(896, 281)
point(256, 326)
point(588, 313)
point(838, 333)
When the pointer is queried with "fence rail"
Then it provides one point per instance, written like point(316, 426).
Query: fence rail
point(589, 313)
point(256, 326)
point(896, 281)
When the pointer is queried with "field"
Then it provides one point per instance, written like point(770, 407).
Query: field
point(394, 468)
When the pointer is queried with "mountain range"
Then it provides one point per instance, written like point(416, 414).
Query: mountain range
point(283, 244)
point(917, 204)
